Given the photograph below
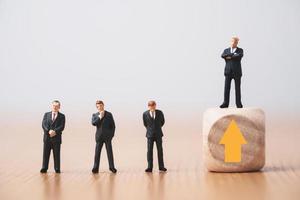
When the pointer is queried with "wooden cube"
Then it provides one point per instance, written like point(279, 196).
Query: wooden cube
point(234, 139)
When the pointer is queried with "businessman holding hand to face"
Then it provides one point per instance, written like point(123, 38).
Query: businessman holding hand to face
point(53, 125)
point(153, 121)
point(233, 70)
point(105, 124)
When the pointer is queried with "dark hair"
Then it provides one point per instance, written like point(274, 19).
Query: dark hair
point(151, 103)
point(99, 102)
point(56, 101)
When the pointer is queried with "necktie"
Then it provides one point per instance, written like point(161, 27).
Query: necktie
point(152, 113)
point(53, 118)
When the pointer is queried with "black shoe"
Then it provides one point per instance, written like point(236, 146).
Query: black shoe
point(113, 170)
point(224, 105)
point(148, 170)
point(163, 169)
point(57, 171)
point(239, 106)
point(95, 171)
point(43, 171)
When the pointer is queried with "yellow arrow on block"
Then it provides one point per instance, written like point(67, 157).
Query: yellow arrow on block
point(233, 140)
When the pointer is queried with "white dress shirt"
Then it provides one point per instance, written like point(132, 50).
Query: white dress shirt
point(152, 113)
point(232, 50)
point(54, 116)
point(101, 114)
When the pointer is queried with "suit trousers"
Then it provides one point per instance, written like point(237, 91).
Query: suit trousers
point(150, 143)
point(48, 146)
point(109, 152)
point(237, 82)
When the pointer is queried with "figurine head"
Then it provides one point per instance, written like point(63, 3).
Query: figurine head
point(100, 105)
point(152, 105)
point(55, 106)
point(234, 42)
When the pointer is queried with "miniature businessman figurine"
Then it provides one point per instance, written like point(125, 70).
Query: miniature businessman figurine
point(233, 70)
point(105, 124)
point(53, 125)
point(153, 121)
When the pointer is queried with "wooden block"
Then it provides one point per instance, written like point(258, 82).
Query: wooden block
point(250, 122)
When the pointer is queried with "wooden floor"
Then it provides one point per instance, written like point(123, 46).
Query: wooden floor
point(21, 151)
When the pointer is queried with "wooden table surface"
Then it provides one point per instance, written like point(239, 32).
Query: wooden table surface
point(21, 157)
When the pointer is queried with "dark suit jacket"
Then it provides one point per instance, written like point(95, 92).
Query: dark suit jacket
point(105, 127)
point(153, 126)
point(58, 126)
point(233, 66)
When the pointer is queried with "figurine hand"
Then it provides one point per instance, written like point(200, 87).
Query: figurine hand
point(52, 133)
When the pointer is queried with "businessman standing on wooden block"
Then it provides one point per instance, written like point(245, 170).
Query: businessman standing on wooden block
point(105, 131)
point(53, 125)
point(153, 121)
point(233, 70)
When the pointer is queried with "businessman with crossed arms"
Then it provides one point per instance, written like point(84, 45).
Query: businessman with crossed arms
point(233, 70)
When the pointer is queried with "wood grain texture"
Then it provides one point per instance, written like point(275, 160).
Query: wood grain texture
point(187, 178)
point(251, 122)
